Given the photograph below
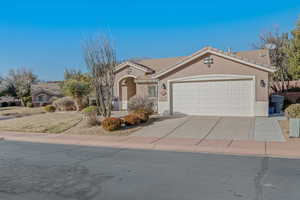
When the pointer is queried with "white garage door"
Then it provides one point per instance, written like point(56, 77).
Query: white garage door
point(220, 98)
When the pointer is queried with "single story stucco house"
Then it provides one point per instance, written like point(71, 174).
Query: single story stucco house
point(208, 82)
point(45, 93)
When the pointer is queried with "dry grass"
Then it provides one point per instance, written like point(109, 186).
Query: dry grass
point(83, 129)
point(42, 123)
point(284, 124)
point(20, 111)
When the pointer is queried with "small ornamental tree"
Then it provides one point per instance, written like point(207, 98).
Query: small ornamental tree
point(100, 58)
point(18, 84)
point(277, 43)
point(77, 90)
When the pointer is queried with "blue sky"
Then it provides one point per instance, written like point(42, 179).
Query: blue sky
point(46, 36)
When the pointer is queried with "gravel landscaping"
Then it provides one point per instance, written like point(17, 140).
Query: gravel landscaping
point(284, 124)
point(83, 129)
point(57, 122)
point(20, 111)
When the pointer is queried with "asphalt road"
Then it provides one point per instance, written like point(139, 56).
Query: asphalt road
point(54, 172)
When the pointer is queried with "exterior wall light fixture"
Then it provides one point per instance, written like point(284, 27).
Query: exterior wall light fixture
point(262, 83)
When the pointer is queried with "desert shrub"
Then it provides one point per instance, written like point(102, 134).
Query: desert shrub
point(52, 99)
point(27, 100)
point(29, 105)
point(90, 113)
point(142, 114)
point(111, 123)
point(90, 109)
point(12, 104)
point(64, 104)
point(49, 108)
point(144, 110)
point(131, 119)
point(4, 104)
point(293, 111)
point(140, 103)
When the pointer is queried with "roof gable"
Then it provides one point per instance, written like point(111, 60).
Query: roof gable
point(134, 65)
point(217, 52)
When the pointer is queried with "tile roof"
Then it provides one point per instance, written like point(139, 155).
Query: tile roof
point(51, 88)
point(259, 57)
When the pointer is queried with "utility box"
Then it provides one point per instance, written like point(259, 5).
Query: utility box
point(294, 124)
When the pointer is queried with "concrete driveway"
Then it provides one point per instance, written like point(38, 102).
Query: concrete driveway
point(201, 127)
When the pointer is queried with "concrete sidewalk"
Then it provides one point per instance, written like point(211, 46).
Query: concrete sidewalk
point(235, 147)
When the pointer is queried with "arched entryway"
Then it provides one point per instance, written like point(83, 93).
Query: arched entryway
point(127, 90)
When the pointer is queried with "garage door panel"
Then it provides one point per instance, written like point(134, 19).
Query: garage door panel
point(227, 98)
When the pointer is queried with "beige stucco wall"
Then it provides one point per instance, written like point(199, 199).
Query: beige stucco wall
point(197, 67)
point(220, 66)
point(123, 73)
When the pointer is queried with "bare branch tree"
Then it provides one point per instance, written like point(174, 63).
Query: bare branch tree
point(100, 58)
point(277, 43)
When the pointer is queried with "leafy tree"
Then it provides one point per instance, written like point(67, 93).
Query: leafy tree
point(293, 52)
point(18, 84)
point(77, 89)
point(77, 75)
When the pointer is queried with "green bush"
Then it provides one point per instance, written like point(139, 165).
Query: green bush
point(90, 113)
point(27, 100)
point(78, 90)
point(64, 104)
point(29, 105)
point(90, 109)
point(111, 123)
point(293, 111)
point(49, 108)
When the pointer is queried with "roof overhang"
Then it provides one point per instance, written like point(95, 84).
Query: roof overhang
point(134, 65)
point(218, 53)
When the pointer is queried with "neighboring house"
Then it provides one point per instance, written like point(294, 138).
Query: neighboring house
point(208, 82)
point(9, 101)
point(44, 93)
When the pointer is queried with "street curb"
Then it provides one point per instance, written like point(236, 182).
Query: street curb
point(153, 147)
point(243, 148)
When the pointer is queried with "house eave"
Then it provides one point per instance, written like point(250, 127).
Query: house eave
point(218, 53)
point(147, 81)
point(134, 65)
